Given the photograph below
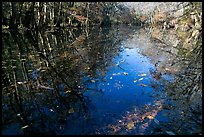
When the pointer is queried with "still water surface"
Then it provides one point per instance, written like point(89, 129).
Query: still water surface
point(104, 81)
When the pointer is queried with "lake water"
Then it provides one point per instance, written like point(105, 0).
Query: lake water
point(100, 81)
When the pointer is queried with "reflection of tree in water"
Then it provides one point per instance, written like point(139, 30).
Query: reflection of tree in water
point(45, 74)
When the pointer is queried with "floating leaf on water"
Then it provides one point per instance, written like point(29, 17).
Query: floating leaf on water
point(111, 77)
point(170, 133)
point(167, 69)
point(125, 73)
point(68, 91)
point(135, 81)
point(158, 103)
point(143, 74)
point(93, 81)
point(130, 125)
point(118, 73)
point(87, 68)
point(140, 79)
point(51, 110)
point(143, 85)
point(150, 117)
point(25, 127)
point(71, 110)
point(143, 117)
point(19, 82)
point(30, 70)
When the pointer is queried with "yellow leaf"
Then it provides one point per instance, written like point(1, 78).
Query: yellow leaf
point(143, 74)
point(150, 117)
point(68, 91)
point(87, 68)
point(71, 110)
point(130, 125)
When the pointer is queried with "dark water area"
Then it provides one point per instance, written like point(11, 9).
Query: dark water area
point(100, 81)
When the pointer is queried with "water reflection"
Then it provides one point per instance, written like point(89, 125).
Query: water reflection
point(100, 81)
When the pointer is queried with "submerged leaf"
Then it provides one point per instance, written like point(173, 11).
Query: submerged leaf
point(71, 110)
point(130, 125)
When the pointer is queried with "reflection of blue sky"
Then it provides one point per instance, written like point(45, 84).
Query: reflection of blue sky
point(122, 92)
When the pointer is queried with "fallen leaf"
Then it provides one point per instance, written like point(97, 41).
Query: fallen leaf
point(150, 117)
point(93, 81)
point(143, 117)
point(19, 82)
point(87, 68)
point(51, 110)
point(158, 103)
point(167, 69)
point(71, 110)
point(125, 73)
point(143, 74)
point(68, 91)
point(25, 127)
point(130, 125)
point(140, 79)
point(143, 85)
